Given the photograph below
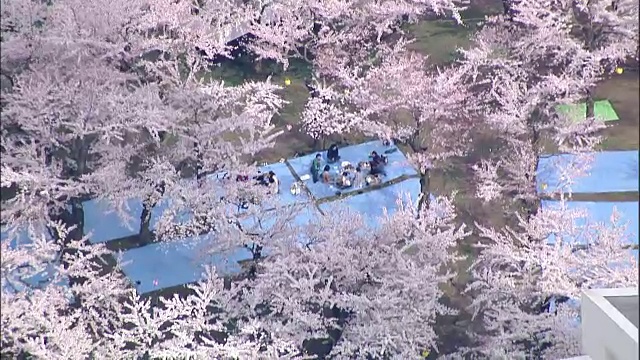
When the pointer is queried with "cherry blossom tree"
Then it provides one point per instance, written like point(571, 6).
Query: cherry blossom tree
point(331, 36)
point(215, 128)
point(359, 291)
point(70, 120)
point(519, 279)
point(596, 35)
point(53, 318)
point(99, 40)
point(520, 78)
point(354, 298)
point(539, 55)
point(89, 116)
point(73, 124)
point(310, 29)
point(397, 96)
point(47, 321)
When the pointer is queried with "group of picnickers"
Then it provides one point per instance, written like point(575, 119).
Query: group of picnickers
point(268, 179)
point(348, 175)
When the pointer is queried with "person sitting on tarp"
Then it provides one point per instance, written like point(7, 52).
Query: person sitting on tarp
point(378, 163)
point(333, 154)
point(344, 181)
point(378, 159)
point(358, 179)
point(315, 168)
point(373, 179)
point(262, 179)
point(326, 174)
point(274, 183)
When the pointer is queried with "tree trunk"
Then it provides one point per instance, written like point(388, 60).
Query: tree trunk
point(258, 66)
point(531, 207)
point(506, 6)
point(590, 105)
point(318, 144)
point(425, 191)
point(508, 11)
point(76, 216)
point(144, 234)
point(199, 162)
point(425, 174)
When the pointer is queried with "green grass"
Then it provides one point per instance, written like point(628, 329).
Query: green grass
point(237, 72)
point(440, 39)
point(602, 109)
point(623, 92)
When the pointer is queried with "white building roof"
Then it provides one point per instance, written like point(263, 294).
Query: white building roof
point(610, 324)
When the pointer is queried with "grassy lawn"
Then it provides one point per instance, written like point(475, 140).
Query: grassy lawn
point(622, 91)
point(439, 39)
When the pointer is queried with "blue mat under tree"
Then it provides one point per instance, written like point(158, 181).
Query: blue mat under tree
point(166, 264)
point(611, 171)
point(162, 265)
point(105, 224)
point(23, 279)
point(372, 205)
point(397, 166)
point(600, 212)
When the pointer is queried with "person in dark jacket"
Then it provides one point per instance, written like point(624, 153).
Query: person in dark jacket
point(378, 163)
point(263, 179)
point(313, 91)
point(333, 154)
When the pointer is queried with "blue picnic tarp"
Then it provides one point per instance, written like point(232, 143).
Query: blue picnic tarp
point(161, 265)
point(397, 166)
point(372, 205)
point(611, 171)
point(600, 212)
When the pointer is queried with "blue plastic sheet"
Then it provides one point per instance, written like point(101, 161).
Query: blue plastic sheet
point(371, 205)
point(294, 217)
point(601, 212)
point(20, 236)
point(161, 265)
point(397, 166)
point(105, 224)
point(611, 171)
point(19, 281)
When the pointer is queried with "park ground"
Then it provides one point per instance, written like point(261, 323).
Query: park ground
point(438, 40)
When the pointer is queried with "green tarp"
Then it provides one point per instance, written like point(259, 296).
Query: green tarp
point(603, 111)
